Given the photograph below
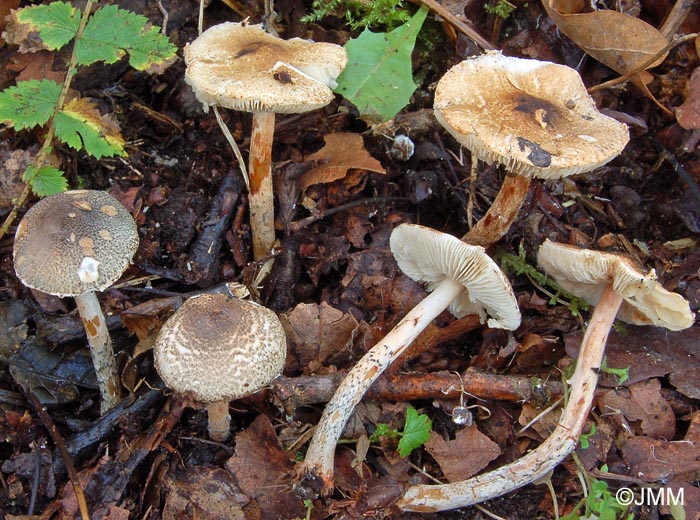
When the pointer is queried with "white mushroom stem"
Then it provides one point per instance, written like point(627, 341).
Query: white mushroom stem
point(100, 349)
point(219, 421)
point(320, 454)
point(548, 455)
point(261, 199)
point(500, 216)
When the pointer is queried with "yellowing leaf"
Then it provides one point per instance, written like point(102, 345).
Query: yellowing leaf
point(80, 125)
point(343, 152)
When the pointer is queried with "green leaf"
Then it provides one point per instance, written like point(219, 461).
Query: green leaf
point(622, 374)
point(584, 438)
point(378, 78)
point(45, 180)
point(57, 22)
point(80, 125)
point(415, 432)
point(112, 32)
point(29, 103)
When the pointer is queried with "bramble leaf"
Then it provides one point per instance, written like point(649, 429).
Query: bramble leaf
point(416, 431)
point(29, 103)
point(378, 78)
point(80, 125)
point(45, 180)
point(57, 22)
point(113, 32)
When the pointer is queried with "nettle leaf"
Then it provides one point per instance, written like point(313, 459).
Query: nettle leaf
point(112, 32)
point(57, 23)
point(80, 125)
point(45, 180)
point(29, 103)
point(378, 78)
point(416, 431)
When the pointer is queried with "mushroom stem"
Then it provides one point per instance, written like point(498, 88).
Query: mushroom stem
point(499, 217)
point(219, 427)
point(261, 199)
point(551, 452)
point(320, 454)
point(100, 349)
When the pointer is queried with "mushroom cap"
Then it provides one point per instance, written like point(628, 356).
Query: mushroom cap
point(426, 255)
point(218, 348)
point(74, 242)
point(240, 66)
point(532, 116)
point(586, 273)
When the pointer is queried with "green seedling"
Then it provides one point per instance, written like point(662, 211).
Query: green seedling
point(381, 13)
point(501, 8)
point(622, 374)
point(106, 35)
point(416, 431)
point(598, 502)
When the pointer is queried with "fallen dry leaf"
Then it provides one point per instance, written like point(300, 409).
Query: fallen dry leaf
point(467, 454)
point(35, 66)
point(343, 151)
point(688, 114)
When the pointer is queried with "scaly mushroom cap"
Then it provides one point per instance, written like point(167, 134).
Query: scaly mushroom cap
point(426, 255)
point(586, 273)
point(534, 117)
point(240, 66)
point(74, 242)
point(218, 348)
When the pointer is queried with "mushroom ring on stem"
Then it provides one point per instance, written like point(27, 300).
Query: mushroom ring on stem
point(533, 117)
point(74, 244)
point(460, 277)
point(216, 349)
point(240, 66)
point(617, 288)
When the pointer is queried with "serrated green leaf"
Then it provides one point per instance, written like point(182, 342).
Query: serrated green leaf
point(113, 32)
point(416, 431)
point(29, 103)
point(57, 22)
point(45, 181)
point(79, 125)
point(378, 78)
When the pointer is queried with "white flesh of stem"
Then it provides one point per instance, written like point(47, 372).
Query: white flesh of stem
point(552, 451)
point(260, 198)
point(319, 456)
point(219, 421)
point(100, 348)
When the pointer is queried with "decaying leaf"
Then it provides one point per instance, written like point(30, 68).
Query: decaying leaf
point(343, 151)
point(80, 125)
point(688, 114)
point(12, 164)
point(466, 455)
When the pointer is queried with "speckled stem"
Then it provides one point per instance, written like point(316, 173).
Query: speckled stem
point(319, 456)
point(261, 199)
point(100, 348)
point(537, 463)
point(499, 217)
point(219, 421)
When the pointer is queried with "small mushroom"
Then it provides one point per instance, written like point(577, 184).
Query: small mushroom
point(216, 349)
point(240, 66)
point(460, 277)
point(533, 117)
point(74, 244)
point(616, 287)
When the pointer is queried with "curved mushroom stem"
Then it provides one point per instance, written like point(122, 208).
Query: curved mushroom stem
point(100, 349)
point(219, 427)
point(261, 199)
point(320, 454)
point(499, 217)
point(551, 452)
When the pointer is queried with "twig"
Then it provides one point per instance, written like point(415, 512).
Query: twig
point(298, 225)
point(462, 27)
point(679, 12)
point(233, 145)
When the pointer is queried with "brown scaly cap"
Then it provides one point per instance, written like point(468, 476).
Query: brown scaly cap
point(74, 242)
point(240, 66)
point(586, 273)
point(217, 348)
point(426, 255)
point(534, 117)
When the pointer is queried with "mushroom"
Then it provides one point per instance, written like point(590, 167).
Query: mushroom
point(74, 244)
point(216, 349)
point(460, 277)
point(615, 286)
point(533, 117)
point(240, 66)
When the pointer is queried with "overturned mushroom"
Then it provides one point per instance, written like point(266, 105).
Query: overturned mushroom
point(531, 116)
point(240, 66)
point(612, 283)
point(73, 244)
point(460, 277)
